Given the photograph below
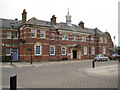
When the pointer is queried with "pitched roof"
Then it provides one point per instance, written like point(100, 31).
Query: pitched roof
point(6, 23)
point(63, 26)
point(75, 28)
point(35, 21)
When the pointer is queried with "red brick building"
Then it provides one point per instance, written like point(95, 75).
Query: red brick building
point(45, 41)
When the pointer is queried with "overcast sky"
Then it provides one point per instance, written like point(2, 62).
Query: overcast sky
point(102, 14)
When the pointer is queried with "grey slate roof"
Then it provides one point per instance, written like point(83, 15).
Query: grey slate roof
point(6, 23)
point(63, 26)
point(75, 28)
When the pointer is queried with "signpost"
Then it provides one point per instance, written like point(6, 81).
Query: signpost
point(93, 64)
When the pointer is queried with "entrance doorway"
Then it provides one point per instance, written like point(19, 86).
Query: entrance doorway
point(74, 54)
point(15, 54)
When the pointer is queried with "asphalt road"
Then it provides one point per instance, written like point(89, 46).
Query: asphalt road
point(62, 75)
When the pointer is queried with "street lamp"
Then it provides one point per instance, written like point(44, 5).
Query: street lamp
point(58, 42)
point(12, 25)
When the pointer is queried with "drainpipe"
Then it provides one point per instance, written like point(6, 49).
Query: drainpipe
point(89, 46)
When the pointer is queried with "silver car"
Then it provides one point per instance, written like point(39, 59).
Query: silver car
point(100, 57)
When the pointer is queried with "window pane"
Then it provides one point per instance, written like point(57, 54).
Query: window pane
point(8, 34)
point(15, 35)
point(33, 33)
point(67, 37)
point(52, 50)
point(42, 34)
point(37, 49)
point(63, 50)
point(8, 51)
point(85, 50)
point(63, 37)
point(93, 51)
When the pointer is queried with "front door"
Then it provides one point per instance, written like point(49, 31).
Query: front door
point(74, 54)
point(15, 54)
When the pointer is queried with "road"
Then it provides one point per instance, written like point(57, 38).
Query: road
point(64, 75)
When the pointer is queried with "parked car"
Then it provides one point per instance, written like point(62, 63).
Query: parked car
point(114, 57)
point(100, 57)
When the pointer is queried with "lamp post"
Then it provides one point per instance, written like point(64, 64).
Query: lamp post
point(58, 42)
point(31, 61)
point(12, 25)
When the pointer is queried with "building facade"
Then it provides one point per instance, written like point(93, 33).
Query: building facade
point(49, 40)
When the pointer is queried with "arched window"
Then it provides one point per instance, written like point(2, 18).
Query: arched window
point(85, 51)
point(38, 49)
point(93, 50)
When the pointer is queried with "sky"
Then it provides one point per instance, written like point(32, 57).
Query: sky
point(102, 14)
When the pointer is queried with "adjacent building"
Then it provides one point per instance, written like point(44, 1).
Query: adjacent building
point(49, 40)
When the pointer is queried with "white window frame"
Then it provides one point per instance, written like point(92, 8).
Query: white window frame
point(65, 37)
point(9, 53)
point(92, 40)
point(53, 51)
point(85, 50)
point(101, 39)
point(42, 33)
point(105, 40)
point(16, 34)
point(8, 35)
point(93, 50)
point(63, 51)
point(35, 32)
point(83, 39)
point(74, 38)
point(104, 50)
point(35, 50)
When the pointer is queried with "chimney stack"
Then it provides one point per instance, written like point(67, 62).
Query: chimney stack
point(53, 19)
point(81, 24)
point(24, 16)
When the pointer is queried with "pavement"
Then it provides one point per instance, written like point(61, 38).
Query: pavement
point(110, 70)
point(36, 64)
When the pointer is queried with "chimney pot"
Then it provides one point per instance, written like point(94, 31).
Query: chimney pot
point(24, 16)
point(81, 24)
point(53, 19)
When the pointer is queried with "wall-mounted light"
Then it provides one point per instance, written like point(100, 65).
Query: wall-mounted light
point(3, 45)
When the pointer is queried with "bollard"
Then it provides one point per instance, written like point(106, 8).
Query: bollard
point(13, 82)
point(93, 64)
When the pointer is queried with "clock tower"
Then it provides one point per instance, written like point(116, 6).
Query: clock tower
point(68, 18)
